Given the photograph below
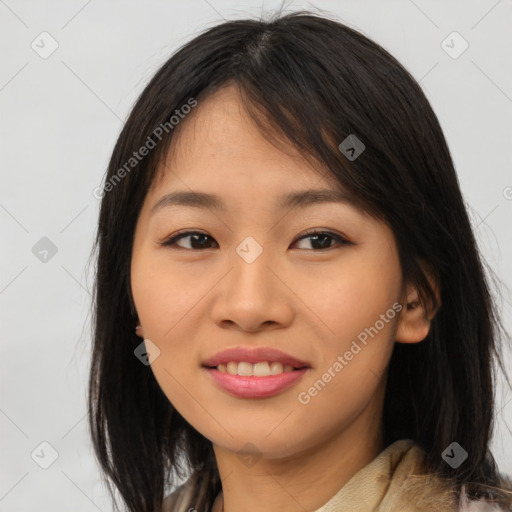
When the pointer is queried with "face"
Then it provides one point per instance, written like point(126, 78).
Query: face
point(254, 276)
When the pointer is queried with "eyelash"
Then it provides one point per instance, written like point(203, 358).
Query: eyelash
point(341, 241)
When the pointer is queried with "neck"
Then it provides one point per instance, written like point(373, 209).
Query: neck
point(306, 480)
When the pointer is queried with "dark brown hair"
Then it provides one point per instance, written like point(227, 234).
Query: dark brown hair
point(314, 81)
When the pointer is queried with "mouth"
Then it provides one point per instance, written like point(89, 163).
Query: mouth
point(259, 369)
point(257, 372)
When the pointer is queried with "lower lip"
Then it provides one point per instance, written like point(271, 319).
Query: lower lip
point(255, 387)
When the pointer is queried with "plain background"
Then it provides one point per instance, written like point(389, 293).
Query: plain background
point(61, 116)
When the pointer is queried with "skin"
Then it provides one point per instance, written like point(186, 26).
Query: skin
point(307, 301)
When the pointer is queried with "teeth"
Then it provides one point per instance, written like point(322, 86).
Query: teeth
point(276, 368)
point(261, 369)
point(232, 368)
point(245, 369)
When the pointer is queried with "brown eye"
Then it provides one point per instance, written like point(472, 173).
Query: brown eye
point(198, 240)
point(321, 240)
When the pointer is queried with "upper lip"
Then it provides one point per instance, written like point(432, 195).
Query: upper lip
point(253, 355)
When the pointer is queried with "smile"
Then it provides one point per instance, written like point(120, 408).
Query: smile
point(254, 372)
point(261, 369)
point(250, 386)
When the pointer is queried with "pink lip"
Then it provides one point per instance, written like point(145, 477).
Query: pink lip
point(255, 387)
point(253, 355)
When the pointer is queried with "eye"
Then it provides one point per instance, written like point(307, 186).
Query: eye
point(196, 237)
point(198, 240)
point(321, 239)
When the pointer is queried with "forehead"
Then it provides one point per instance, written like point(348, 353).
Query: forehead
point(219, 142)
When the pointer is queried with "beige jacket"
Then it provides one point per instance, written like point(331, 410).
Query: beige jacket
point(392, 482)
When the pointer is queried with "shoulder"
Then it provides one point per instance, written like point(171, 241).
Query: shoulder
point(439, 491)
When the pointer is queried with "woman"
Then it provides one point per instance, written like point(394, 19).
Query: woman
point(291, 312)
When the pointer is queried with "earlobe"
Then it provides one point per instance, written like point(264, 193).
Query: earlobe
point(138, 331)
point(415, 319)
point(413, 323)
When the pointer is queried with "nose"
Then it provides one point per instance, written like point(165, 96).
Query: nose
point(253, 296)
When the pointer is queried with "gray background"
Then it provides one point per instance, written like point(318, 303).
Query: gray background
point(60, 118)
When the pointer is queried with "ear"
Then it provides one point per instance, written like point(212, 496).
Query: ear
point(415, 319)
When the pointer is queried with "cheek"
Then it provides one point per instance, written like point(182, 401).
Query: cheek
point(353, 303)
point(354, 355)
point(358, 309)
point(165, 301)
point(163, 296)
point(169, 306)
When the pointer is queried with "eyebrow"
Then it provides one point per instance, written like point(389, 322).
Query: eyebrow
point(301, 199)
